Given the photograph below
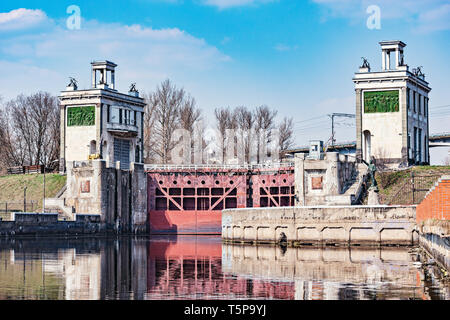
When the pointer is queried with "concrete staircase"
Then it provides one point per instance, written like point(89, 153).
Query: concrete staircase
point(353, 189)
point(59, 204)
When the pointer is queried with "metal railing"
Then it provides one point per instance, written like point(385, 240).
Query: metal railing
point(414, 189)
point(17, 206)
point(150, 167)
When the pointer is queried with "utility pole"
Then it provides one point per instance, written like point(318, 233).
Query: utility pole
point(342, 115)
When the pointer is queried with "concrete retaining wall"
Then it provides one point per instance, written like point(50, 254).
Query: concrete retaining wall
point(51, 228)
point(118, 196)
point(438, 247)
point(334, 180)
point(322, 224)
point(355, 264)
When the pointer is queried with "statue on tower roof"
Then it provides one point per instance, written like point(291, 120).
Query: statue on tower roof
point(365, 63)
point(133, 87)
point(73, 83)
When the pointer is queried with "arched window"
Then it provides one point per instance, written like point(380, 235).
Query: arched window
point(93, 147)
point(367, 145)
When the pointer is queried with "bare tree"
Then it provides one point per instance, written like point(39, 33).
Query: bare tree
point(30, 130)
point(224, 119)
point(190, 117)
point(168, 108)
point(189, 114)
point(255, 129)
point(264, 123)
point(12, 151)
point(286, 135)
point(149, 125)
point(244, 119)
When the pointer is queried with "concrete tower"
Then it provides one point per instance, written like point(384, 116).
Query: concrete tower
point(101, 123)
point(392, 110)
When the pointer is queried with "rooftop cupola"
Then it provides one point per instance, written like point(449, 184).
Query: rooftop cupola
point(396, 47)
point(105, 70)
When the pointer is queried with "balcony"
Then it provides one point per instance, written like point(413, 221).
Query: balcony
point(122, 129)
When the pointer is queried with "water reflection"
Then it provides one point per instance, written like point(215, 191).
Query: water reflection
point(202, 268)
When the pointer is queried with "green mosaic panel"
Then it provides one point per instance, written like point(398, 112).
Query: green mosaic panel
point(381, 101)
point(81, 116)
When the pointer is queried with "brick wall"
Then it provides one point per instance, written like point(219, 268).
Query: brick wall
point(436, 204)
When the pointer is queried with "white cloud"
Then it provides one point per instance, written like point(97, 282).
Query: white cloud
point(283, 47)
point(21, 19)
point(225, 40)
point(436, 19)
point(431, 15)
point(45, 60)
point(225, 4)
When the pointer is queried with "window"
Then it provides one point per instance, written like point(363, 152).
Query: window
point(408, 97)
point(115, 115)
point(420, 103)
point(414, 101)
point(415, 144)
point(126, 116)
point(409, 146)
point(419, 140)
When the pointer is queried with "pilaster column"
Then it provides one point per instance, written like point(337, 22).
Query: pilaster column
point(300, 179)
point(404, 111)
point(358, 125)
point(62, 145)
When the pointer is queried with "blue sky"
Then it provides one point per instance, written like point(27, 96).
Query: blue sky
point(296, 56)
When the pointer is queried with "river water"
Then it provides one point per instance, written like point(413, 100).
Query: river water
point(190, 267)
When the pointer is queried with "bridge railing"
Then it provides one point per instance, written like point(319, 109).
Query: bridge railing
point(151, 167)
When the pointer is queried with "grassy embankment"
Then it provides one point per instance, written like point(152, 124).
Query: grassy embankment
point(11, 190)
point(396, 186)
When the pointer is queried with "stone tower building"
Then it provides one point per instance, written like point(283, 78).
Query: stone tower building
point(100, 122)
point(392, 110)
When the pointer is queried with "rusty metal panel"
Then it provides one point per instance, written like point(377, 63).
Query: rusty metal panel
point(317, 183)
point(85, 186)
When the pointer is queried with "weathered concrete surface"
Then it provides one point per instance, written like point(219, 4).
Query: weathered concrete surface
point(118, 196)
point(373, 199)
point(354, 264)
point(438, 247)
point(47, 224)
point(433, 220)
point(334, 180)
point(434, 237)
point(321, 224)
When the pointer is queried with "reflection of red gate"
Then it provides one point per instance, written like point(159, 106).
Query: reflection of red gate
point(190, 200)
point(192, 267)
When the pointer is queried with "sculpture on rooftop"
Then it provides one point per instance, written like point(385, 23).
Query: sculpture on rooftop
point(73, 83)
point(418, 71)
point(365, 64)
point(133, 87)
